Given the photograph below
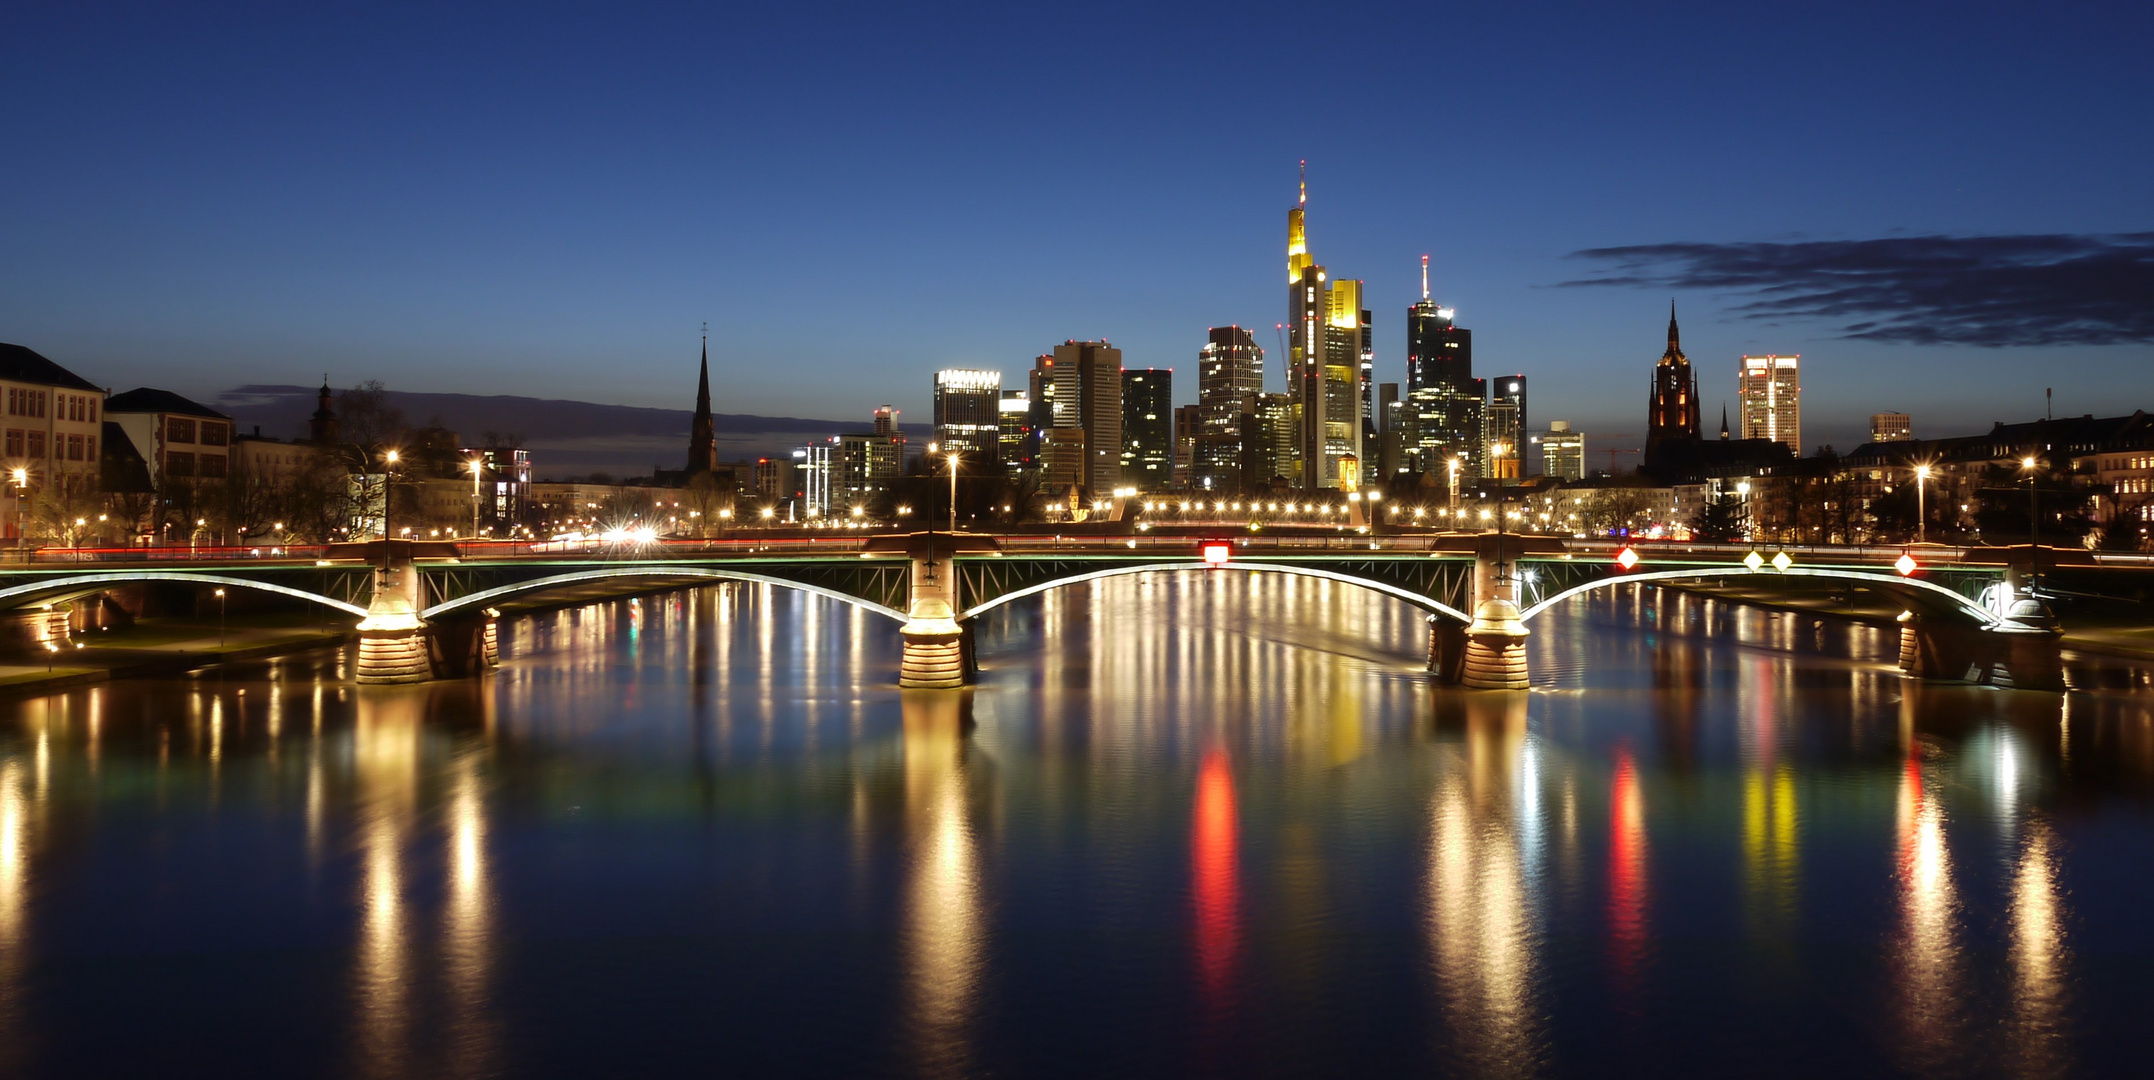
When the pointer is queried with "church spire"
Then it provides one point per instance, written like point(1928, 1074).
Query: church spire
point(1723, 421)
point(702, 433)
point(1675, 339)
point(703, 381)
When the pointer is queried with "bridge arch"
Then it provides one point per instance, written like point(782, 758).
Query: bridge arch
point(1943, 597)
point(59, 588)
point(681, 575)
point(1423, 602)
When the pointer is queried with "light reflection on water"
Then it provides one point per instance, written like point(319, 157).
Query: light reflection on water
point(1186, 823)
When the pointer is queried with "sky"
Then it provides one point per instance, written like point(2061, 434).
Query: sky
point(1941, 206)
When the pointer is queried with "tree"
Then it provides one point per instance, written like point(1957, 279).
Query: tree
point(366, 419)
point(1721, 519)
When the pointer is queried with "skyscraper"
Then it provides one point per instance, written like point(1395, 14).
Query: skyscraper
point(1188, 425)
point(1672, 407)
point(1230, 367)
point(702, 431)
point(1444, 402)
point(968, 412)
point(1771, 400)
point(1326, 342)
point(1563, 451)
point(1891, 427)
point(1084, 446)
point(1015, 434)
point(1507, 428)
point(1148, 428)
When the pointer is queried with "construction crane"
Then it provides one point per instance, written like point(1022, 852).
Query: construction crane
point(1613, 451)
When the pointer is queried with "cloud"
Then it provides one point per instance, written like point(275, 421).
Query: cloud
point(2056, 289)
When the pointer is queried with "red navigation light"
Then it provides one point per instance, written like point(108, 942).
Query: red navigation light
point(1217, 553)
point(1626, 558)
point(1905, 564)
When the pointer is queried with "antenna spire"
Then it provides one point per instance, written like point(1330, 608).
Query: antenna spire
point(1305, 181)
point(1424, 277)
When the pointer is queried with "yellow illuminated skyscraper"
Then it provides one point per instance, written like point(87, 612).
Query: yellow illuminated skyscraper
point(1328, 340)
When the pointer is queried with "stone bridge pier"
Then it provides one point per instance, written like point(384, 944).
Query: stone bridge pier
point(1490, 652)
point(397, 646)
point(938, 650)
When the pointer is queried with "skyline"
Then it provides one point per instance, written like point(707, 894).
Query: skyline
point(456, 202)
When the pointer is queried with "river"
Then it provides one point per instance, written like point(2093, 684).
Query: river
point(1185, 824)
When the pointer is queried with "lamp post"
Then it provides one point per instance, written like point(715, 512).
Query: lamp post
point(477, 468)
point(220, 618)
point(951, 454)
point(1922, 515)
point(2028, 465)
point(21, 479)
point(388, 499)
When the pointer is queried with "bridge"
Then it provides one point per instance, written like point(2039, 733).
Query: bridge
point(428, 609)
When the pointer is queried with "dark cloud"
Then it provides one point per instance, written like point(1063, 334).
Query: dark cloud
point(1922, 290)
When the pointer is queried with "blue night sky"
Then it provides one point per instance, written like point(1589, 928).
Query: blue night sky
point(549, 199)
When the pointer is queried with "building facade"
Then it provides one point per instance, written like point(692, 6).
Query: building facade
point(1230, 371)
point(1148, 443)
point(1087, 386)
point(1563, 451)
point(1444, 406)
point(968, 412)
point(1672, 431)
point(1891, 427)
point(1769, 393)
point(1328, 334)
point(1504, 443)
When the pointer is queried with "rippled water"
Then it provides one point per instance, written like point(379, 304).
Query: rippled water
point(1185, 824)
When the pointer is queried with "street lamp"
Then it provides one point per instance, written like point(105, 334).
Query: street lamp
point(951, 455)
point(1922, 516)
point(2034, 522)
point(220, 618)
point(388, 499)
point(21, 479)
point(477, 467)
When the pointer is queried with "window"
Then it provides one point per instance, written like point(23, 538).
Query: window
point(213, 433)
point(179, 463)
point(37, 444)
point(74, 448)
point(179, 430)
point(213, 466)
point(93, 410)
point(14, 442)
point(89, 448)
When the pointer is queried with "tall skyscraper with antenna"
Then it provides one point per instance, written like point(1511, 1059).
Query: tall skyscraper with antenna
point(1327, 338)
point(1445, 404)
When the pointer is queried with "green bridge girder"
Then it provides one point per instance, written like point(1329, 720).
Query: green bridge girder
point(1441, 581)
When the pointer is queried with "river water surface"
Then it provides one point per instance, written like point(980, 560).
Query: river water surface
point(1185, 824)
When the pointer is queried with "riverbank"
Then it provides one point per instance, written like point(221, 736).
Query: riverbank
point(163, 648)
point(1866, 605)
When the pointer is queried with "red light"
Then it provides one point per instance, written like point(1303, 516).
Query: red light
point(1217, 554)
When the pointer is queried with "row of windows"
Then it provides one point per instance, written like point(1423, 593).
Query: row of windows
point(2139, 462)
point(31, 403)
point(182, 463)
point(179, 429)
point(31, 444)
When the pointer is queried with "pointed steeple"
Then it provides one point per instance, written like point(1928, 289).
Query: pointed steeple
point(1723, 421)
point(702, 432)
point(703, 381)
point(1675, 338)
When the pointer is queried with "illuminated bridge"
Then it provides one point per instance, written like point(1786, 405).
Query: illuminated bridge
point(428, 609)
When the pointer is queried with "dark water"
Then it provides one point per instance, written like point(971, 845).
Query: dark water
point(1184, 825)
